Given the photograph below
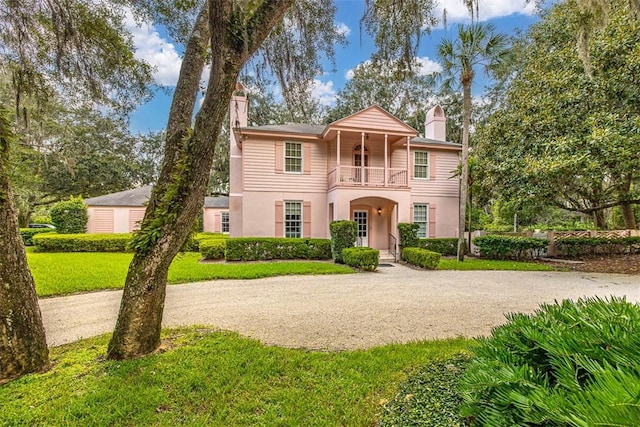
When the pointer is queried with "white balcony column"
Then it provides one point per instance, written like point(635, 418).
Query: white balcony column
point(408, 158)
point(386, 160)
point(362, 158)
point(338, 175)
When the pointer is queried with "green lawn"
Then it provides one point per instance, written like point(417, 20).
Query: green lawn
point(218, 379)
point(65, 273)
point(487, 264)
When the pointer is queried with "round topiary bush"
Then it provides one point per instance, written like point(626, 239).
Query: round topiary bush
point(70, 216)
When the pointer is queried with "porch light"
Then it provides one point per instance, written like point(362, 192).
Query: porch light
point(379, 211)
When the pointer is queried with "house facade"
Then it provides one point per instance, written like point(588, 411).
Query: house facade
point(292, 180)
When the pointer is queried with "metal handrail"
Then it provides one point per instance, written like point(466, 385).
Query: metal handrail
point(392, 246)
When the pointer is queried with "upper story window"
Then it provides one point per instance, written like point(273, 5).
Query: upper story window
point(293, 157)
point(224, 222)
point(292, 219)
point(421, 164)
point(421, 217)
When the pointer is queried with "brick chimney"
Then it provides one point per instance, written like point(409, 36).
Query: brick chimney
point(237, 118)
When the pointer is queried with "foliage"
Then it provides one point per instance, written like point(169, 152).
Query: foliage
point(443, 246)
point(266, 248)
point(363, 258)
point(28, 233)
point(107, 242)
point(421, 258)
point(430, 397)
point(587, 246)
point(213, 248)
point(254, 383)
point(570, 363)
point(513, 247)
point(343, 235)
point(408, 235)
point(68, 273)
point(70, 216)
point(562, 137)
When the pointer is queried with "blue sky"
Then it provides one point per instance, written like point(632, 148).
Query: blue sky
point(154, 46)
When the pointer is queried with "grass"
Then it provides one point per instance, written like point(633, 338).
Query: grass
point(217, 379)
point(66, 273)
point(486, 264)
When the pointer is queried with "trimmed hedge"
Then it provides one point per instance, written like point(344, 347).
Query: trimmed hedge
point(28, 233)
point(421, 258)
point(408, 233)
point(213, 248)
point(343, 235)
point(569, 364)
point(363, 258)
point(443, 246)
point(70, 216)
point(54, 242)
point(588, 246)
point(266, 248)
point(510, 247)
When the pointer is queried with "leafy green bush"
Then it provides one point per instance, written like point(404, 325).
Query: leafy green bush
point(512, 247)
point(363, 258)
point(408, 235)
point(443, 246)
point(587, 246)
point(265, 248)
point(53, 242)
point(70, 216)
point(213, 248)
point(28, 233)
point(569, 364)
point(421, 257)
point(343, 235)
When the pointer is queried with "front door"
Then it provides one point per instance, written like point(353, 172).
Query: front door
point(362, 221)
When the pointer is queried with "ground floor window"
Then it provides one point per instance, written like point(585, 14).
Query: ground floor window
point(224, 222)
point(292, 219)
point(421, 217)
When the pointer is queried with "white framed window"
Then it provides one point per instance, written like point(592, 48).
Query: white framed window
point(293, 219)
point(224, 222)
point(421, 164)
point(293, 157)
point(421, 217)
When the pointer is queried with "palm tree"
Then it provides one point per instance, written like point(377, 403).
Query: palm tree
point(477, 45)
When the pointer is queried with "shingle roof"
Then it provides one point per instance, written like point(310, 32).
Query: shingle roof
point(290, 128)
point(140, 197)
point(420, 140)
point(136, 197)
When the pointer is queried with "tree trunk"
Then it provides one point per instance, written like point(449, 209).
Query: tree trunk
point(23, 346)
point(235, 34)
point(626, 207)
point(599, 219)
point(464, 179)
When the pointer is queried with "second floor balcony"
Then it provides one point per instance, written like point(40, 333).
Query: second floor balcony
point(358, 176)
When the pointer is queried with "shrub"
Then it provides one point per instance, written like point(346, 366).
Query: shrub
point(343, 235)
point(28, 233)
point(70, 216)
point(53, 242)
point(421, 257)
point(363, 258)
point(266, 248)
point(408, 235)
point(585, 246)
point(570, 363)
point(503, 247)
point(443, 246)
point(213, 248)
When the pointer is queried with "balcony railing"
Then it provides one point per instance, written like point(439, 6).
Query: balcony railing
point(367, 177)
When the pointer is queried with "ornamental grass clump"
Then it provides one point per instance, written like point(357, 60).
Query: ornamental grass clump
point(569, 364)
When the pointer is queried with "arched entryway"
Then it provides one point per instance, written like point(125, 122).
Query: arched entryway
point(376, 219)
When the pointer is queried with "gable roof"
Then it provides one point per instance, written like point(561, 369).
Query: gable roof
point(140, 197)
point(293, 128)
point(374, 118)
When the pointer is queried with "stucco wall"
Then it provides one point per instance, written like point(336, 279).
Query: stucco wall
point(123, 219)
point(211, 219)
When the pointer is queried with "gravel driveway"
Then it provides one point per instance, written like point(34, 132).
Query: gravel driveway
point(395, 304)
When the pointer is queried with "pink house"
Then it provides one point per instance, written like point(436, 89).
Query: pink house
point(292, 180)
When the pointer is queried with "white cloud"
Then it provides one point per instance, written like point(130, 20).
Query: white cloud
point(325, 93)
point(153, 49)
point(458, 12)
point(343, 29)
point(351, 71)
point(425, 67)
